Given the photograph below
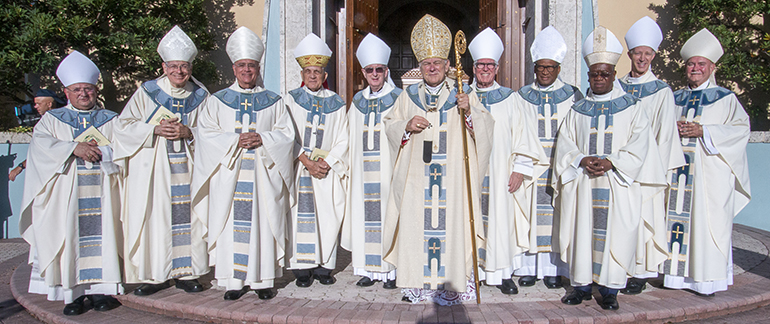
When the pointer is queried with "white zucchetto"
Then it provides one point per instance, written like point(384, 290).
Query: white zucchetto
point(177, 46)
point(601, 46)
point(548, 44)
point(244, 44)
point(703, 43)
point(77, 68)
point(372, 50)
point(486, 45)
point(312, 51)
point(644, 32)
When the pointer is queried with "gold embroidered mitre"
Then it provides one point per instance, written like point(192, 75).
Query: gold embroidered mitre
point(312, 51)
point(313, 60)
point(431, 38)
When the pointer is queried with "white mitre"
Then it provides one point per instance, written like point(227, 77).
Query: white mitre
point(372, 50)
point(77, 68)
point(177, 46)
point(244, 44)
point(703, 43)
point(312, 51)
point(486, 45)
point(601, 46)
point(644, 32)
point(548, 44)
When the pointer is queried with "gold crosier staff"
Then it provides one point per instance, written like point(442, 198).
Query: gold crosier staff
point(460, 46)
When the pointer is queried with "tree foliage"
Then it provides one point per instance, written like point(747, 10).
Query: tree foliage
point(120, 36)
point(742, 28)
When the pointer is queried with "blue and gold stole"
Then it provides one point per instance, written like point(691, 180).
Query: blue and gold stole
point(643, 90)
point(317, 108)
point(681, 193)
point(435, 160)
point(181, 260)
point(600, 145)
point(373, 109)
point(89, 180)
point(246, 105)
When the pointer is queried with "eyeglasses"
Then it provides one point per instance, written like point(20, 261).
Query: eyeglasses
point(549, 68)
point(603, 74)
point(78, 90)
point(182, 66)
point(379, 70)
point(246, 65)
point(482, 66)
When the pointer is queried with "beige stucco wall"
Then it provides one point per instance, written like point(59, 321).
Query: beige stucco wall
point(619, 15)
point(250, 16)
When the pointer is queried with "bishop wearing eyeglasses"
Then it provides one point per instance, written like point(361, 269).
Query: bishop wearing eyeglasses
point(606, 166)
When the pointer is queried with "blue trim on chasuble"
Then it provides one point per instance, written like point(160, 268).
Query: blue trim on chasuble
point(705, 97)
point(81, 120)
point(536, 97)
point(255, 101)
point(89, 261)
point(489, 98)
point(414, 94)
point(383, 103)
point(307, 101)
point(182, 106)
point(643, 90)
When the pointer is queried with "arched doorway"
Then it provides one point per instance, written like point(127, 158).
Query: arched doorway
point(393, 20)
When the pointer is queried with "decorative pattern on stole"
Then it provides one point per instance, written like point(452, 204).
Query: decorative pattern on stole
point(643, 90)
point(307, 236)
point(247, 105)
point(600, 145)
point(176, 150)
point(89, 180)
point(681, 192)
point(434, 159)
point(547, 129)
point(489, 98)
point(372, 109)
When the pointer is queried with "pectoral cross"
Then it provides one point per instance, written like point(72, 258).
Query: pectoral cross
point(177, 105)
point(84, 123)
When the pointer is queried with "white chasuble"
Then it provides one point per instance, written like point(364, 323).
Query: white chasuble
point(427, 230)
point(708, 191)
point(515, 148)
point(244, 192)
point(163, 238)
point(71, 207)
point(371, 167)
point(657, 99)
point(317, 216)
point(600, 216)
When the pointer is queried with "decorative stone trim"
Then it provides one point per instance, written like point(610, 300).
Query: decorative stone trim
point(759, 137)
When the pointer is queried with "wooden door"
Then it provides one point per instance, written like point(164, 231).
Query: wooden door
point(362, 18)
point(505, 18)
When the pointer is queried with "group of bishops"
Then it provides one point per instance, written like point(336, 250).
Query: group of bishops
point(607, 190)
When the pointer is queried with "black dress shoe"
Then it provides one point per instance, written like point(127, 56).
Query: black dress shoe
point(75, 307)
point(390, 284)
point(149, 289)
point(406, 299)
point(189, 286)
point(103, 303)
point(266, 293)
point(552, 282)
point(634, 286)
point(576, 297)
point(610, 302)
point(235, 294)
point(304, 281)
point(527, 281)
point(508, 287)
point(365, 282)
point(325, 279)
